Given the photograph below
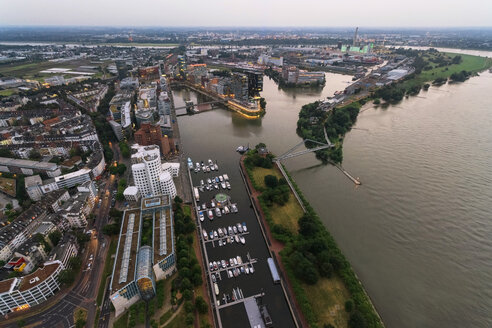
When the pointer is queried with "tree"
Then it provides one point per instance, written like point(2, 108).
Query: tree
point(357, 320)
point(55, 237)
point(66, 277)
point(34, 155)
point(271, 181)
point(201, 305)
point(190, 318)
point(349, 305)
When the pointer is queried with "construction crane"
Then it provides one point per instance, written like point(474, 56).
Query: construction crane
point(355, 36)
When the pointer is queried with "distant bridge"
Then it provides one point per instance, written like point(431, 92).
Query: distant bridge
point(290, 153)
point(205, 103)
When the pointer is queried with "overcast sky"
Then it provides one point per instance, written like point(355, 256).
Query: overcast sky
point(374, 13)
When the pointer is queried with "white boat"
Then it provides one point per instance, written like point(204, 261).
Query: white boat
point(202, 183)
point(247, 270)
point(221, 178)
point(208, 169)
point(212, 203)
point(219, 231)
point(239, 227)
point(226, 209)
point(201, 216)
point(239, 260)
point(243, 241)
point(251, 269)
point(229, 230)
point(226, 177)
point(216, 287)
point(211, 168)
point(197, 195)
point(223, 185)
point(209, 181)
point(210, 162)
point(215, 234)
point(234, 228)
point(216, 167)
point(236, 237)
point(210, 214)
point(205, 235)
point(216, 186)
point(228, 185)
point(204, 206)
point(244, 227)
point(217, 212)
point(225, 230)
point(233, 208)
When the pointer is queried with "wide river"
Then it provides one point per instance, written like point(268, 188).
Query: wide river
point(418, 231)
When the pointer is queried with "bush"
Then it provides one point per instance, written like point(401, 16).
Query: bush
point(271, 181)
point(349, 305)
point(190, 318)
point(201, 305)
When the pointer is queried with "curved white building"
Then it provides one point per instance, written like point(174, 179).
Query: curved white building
point(167, 184)
point(149, 174)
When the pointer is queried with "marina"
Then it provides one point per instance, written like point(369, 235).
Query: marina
point(230, 232)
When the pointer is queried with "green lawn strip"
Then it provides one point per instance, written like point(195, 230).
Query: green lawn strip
point(122, 321)
point(166, 316)
point(108, 267)
point(178, 321)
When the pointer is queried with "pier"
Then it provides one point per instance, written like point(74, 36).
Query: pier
point(348, 175)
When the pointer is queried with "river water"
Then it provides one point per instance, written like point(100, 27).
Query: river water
point(418, 231)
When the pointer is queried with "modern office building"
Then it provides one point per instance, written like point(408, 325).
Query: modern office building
point(132, 194)
point(22, 293)
point(138, 266)
point(72, 179)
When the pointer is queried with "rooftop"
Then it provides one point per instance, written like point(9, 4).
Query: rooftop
point(28, 164)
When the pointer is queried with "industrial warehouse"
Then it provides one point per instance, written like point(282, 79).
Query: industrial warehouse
point(145, 252)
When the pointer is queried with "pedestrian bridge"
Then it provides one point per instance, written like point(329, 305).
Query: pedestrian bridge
point(292, 153)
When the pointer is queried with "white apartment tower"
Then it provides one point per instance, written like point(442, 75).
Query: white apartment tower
point(148, 174)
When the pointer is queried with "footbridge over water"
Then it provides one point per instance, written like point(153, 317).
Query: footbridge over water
point(290, 153)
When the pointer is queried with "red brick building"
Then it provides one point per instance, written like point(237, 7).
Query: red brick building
point(151, 134)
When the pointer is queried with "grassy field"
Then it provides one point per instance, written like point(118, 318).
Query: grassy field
point(108, 267)
point(469, 63)
point(286, 215)
point(80, 314)
point(122, 321)
point(7, 92)
point(179, 319)
point(32, 70)
point(330, 296)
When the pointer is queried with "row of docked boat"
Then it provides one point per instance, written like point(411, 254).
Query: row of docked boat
point(230, 231)
point(206, 168)
point(215, 211)
point(216, 182)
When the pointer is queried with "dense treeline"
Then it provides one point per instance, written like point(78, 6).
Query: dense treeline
point(103, 128)
point(313, 120)
point(189, 270)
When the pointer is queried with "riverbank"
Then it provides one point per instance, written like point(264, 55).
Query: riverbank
point(431, 66)
point(332, 294)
